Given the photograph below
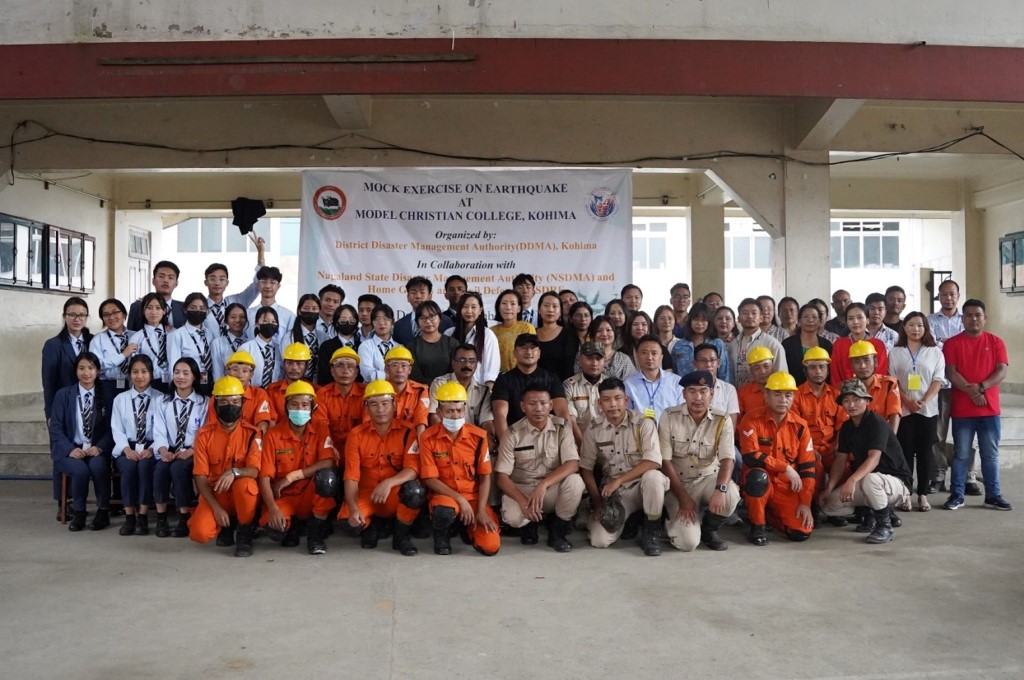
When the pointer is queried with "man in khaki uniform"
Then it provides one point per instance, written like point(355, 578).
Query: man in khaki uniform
point(697, 446)
point(624, 445)
point(537, 471)
point(581, 390)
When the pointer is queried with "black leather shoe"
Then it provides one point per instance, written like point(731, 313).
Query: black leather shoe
point(649, 537)
point(442, 543)
point(934, 487)
point(632, 526)
point(226, 537)
point(101, 520)
point(128, 528)
point(142, 525)
point(758, 535)
point(371, 535)
point(77, 521)
point(894, 519)
point(528, 534)
point(163, 529)
point(556, 535)
point(181, 528)
point(972, 489)
point(243, 541)
point(837, 521)
point(293, 537)
point(401, 541)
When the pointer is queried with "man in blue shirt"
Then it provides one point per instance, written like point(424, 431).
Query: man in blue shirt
point(652, 390)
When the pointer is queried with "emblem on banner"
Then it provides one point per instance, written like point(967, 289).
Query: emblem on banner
point(329, 202)
point(602, 203)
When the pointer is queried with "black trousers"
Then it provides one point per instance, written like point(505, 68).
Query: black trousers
point(917, 434)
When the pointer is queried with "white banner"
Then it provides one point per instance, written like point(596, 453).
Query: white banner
point(369, 231)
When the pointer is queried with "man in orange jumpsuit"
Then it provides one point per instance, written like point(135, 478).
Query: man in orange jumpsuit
point(342, 401)
point(412, 399)
point(761, 363)
point(778, 479)
point(294, 451)
point(295, 359)
point(227, 460)
point(455, 466)
point(381, 457)
point(884, 390)
point(257, 410)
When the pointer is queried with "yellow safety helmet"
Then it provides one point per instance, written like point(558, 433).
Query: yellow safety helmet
point(299, 387)
point(398, 354)
point(759, 354)
point(297, 351)
point(240, 357)
point(378, 388)
point(781, 382)
point(345, 353)
point(451, 391)
point(228, 386)
point(862, 348)
point(816, 354)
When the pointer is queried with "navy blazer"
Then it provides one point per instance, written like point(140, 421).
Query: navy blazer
point(58, 368)
point(64, 423)
point(136, 321)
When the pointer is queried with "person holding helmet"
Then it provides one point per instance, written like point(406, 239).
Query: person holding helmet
point(381, 457)
point(760, 365)
point(256, 410)
point(341, 402)
point(412, 399)
point(294, 451)
point(879, 475)
point(227, 461)
point(455, 466)
point(698, 461)
point(884, 390)
point(816, 402)
point(778, 461)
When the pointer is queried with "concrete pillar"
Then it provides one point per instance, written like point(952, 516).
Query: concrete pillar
point(967, 236)
point(707, 240)
point(801, 261)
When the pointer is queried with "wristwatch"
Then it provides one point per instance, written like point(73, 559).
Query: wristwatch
point(236, 472)
point(981, 388)
point(723, 488)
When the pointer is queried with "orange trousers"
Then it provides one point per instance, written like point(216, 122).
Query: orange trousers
point(487, 542)
point(389, 508)
point(301, 505)
point(778, 506)
point(239, 501)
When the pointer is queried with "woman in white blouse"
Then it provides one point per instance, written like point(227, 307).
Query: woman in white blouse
point(471, 328)
point(372, 350)
point(151, 340)
point(131, 425)
point(919, 367)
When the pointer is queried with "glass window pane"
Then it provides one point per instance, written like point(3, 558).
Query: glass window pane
point(833, 226)
point(54, 259)
point(891, 251)
point(728, 253)
point(289, 232)
point(872, 251)
point(234, 241)
point(871, 226)
point(35, 268)
point(639, 252)
point(890, 226)
point(21, 261)
point(837, 252)
point(188, 236)
point(851, 252)
point(65, 258)
point(639, 227)
point(727, 226)
point(762, 252)
point(741, 252)
point(8, 247)
point(75, 262)
point(657, 253)
point(212, 229)
point(659, 226)
point(89, 265)
point(262, 228)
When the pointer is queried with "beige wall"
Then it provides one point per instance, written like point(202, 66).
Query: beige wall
point(1005, 312)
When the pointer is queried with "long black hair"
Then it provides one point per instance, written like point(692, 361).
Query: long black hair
point(64, 335)
point(298, 332)
point(193, 366)
point(481, 322)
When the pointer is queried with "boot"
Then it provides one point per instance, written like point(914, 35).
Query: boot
point(556, 534)
point(421, 527)
point(400, 540)
point(291, 537)
point(649, 538)
point(882, 532)
point(181, 528)
point(226, 537)
point(867, 521)
point(128, 528)
point(163, 529)
point(895, 519)
point(837, 521)
point(709, 532)
point(142, 524)
point(758, 534)
point(77, 520)
point(243, 541)
point(101, 520)
point(528, 534)
point(442, 543)
point(315, 543)
point(371, 535)
point(632, 526)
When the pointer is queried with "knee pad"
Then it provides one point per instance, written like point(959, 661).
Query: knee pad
point(797, 536)
point(756, 485)
point(442, 517)
point(412, 494)
point(325, 482)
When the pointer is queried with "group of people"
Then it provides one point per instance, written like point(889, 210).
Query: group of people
point(248, 416)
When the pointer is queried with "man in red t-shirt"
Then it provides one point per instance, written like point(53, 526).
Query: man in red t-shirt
point(976, 363)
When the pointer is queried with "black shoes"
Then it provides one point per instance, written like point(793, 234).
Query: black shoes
point(128, 528)
point(77, 520)
point(882, 531)
point(181, 528)
point(556, 534)
point(632, 526)
point(400, 540)
point(293, 537)
point(226, 537)
point(442, 542)
point(315, 541)
point(867, 520)
point(101, 520)
point(243, 541)
point(142, 524)
point(528, 534)
point(370, 535)
point(709, 532)
point(758, 534)
point(972, 489)
point(649, 537)
point(163, 529)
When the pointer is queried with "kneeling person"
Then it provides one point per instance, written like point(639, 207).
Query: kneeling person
point(537, 471)
point(697, 445)
point(623, 444)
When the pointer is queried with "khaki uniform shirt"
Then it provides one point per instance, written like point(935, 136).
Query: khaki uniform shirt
point(582, 398)
point(528, 455)
point(691, 446)
point(478, 408)
point(617, 449)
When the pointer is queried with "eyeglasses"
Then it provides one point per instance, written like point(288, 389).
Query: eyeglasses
point(107, 315)
point(76, 317)
point(427, 317)
point(680, 297)
point(465, 360)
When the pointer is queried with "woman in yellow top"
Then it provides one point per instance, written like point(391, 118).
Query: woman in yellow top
point(506, 310)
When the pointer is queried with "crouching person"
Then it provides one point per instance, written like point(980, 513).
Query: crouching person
point(455, 466)
point(697, 447)
point(623, 445)
point(879, 473)
point(227, 461)
point(294, 451)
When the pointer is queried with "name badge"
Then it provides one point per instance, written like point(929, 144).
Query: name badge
point(914, 382)
point(121, 383)
point(649, 413)
point(140, 446)
point(203, 378)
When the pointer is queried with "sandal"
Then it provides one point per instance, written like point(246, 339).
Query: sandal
point(904, 504)
point(922, 504)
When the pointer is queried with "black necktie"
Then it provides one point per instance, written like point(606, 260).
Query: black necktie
point(122, 341)
point(181, 418)
point(161, 354)
point(168, 315)
point(78, 346)
point(142, 409)
point(384, 347)
point(314, 347)
point(87, 416)
point(205, 355)
point(268, 365)
point(218, 313)
point(236, 343)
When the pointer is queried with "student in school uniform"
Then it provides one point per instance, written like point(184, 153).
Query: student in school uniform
point(114, 348)
point(80, 442)
point(265, 348)
point(269, 283)
point(346, 334)
point(165, 280)
point(193, 340)
point(152, 340)
point(131, 424)
point(177, 419)
point(215, 278)
point(372, 350)
point(304, 330)
point(237, 319)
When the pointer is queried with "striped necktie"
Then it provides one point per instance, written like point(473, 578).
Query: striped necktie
point(218, 313)
point(236, 343)
point(385, 347)
point(161, 353)
point(205, 355)
point(88, 416)
point(268, 365)
point(141, 412)
point(181, 419)
point(314, 347)
point(122, 342)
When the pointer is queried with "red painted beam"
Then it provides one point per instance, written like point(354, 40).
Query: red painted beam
point(515, 66)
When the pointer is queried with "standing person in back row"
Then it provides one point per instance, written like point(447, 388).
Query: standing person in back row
point(751, 335)
point(944, 324)
point(417, 291)
point(270, 283)
point(165, 280)
point(216, 282)
point(525, 285)
point(976, 364)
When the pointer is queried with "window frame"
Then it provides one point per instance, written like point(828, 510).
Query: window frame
point(52, 275)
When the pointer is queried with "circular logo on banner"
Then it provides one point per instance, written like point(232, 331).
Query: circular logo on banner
point(602, 203)
point(329, 202)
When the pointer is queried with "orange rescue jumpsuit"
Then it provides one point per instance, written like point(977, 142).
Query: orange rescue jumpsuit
point(824, 416)
point(371, 458)
point(275, 395)
point(283, 453)
point(216, 452)
point(885, 395)
point(343, 413)
point(751, 397)
point(256, 407)
point(413, 403)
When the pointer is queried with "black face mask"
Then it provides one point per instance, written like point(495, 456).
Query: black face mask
point(228, 413)
point(347, 327)
point(308, 318)
point(267, 330)
point(195, 318)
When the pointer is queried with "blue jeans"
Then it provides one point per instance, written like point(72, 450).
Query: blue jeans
point(987, 428)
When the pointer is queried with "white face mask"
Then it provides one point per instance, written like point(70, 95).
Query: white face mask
point(453, 425)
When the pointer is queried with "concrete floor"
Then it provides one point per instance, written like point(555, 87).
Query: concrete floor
point(945, 600)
